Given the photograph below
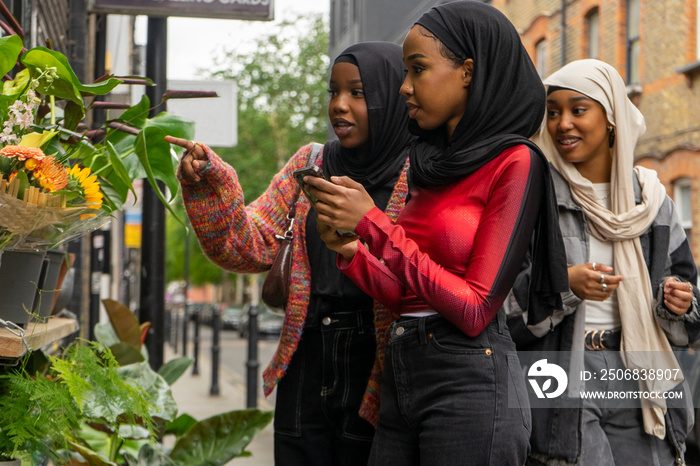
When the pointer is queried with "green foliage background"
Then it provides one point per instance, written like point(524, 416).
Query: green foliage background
point(282, 87)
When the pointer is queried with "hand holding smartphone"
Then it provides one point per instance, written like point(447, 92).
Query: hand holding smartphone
point(299, 175)
point(308, 171)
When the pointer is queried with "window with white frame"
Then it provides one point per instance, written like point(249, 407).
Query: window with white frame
point(541, 58)
point(593, 32)
point(633, 42)
point(682, 197)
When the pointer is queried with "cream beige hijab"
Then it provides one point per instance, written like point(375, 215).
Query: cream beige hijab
point(644, 344)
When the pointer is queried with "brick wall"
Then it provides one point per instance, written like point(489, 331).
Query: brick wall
point(681, 164)
point(669, 100)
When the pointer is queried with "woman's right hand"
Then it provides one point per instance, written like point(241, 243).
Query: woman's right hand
point(194, 160)
point(343, 245)
point(593, 281)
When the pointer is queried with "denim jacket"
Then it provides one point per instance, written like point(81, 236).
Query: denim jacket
point(556, 435)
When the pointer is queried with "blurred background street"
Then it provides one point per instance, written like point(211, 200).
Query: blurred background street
point(192, 392)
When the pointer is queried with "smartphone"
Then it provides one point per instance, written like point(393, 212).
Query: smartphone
point(308, 171)
point(299, 175)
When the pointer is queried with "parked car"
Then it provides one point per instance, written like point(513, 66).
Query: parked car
point(203, 311)
point(231, 318)
point(269, 323)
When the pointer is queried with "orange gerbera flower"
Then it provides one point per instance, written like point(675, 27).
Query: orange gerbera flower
point(22, 152)
point(51, 174)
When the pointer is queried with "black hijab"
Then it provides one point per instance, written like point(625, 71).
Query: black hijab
point(506, 96)
point(506, 106)
point(388, 118)
point(382, 72)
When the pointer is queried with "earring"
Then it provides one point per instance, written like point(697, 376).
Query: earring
point(611, 137)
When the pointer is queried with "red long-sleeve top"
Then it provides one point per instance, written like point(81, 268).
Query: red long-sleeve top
point(455, 249)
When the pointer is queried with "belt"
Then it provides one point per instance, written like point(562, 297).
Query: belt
point(597, 340)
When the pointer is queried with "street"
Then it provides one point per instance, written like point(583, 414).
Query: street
point(233, 354)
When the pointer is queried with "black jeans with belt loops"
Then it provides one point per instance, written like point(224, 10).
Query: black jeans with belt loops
point(444, 397)
point(316, 415)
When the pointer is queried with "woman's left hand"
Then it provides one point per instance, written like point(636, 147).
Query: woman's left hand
point(343, 245)
point(678, 296)
point(342, 202)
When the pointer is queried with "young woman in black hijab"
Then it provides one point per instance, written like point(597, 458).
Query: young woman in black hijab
point(452, 391)
point(323, 366)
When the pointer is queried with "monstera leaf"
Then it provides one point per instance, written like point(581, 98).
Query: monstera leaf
point(218, 439)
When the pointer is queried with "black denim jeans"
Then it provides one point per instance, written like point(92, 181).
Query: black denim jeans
point(615, 435)
point(316, 421)
point(444, 397)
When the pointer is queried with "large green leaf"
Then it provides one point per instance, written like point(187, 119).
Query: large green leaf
point(10, 48)
point(218, 439)
point(173, 125)
point(101, 88)
point(136, 116)
point(124, 322)
point(66, 86)
point(156, 158)
point(154, 154)
point(126, 354)
point(118, 167)
point(179, 426)
point(104, 333)
point(173, 369)
point(5, 102)
point(115, 193)
point(93, 458)
point(149, 456)
point(163, 404)
point(73, 114)
point(18, 85)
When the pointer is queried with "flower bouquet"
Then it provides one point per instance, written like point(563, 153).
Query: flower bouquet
point(42, 202)
point(57, 178)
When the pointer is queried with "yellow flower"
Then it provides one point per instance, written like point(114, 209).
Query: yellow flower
point(90, 186)
point(80, 174)
point(31, 164)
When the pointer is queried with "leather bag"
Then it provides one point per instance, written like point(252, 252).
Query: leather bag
point(275, 288)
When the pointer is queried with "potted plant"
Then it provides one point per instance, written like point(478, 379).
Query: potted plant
point(102, 404)
point(55, 180)
point(58, 178)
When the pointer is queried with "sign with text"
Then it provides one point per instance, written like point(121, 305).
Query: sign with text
point(217, 9)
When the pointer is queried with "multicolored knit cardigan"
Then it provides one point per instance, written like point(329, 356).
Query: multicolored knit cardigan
point(242, 239)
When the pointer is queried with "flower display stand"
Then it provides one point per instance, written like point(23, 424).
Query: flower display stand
point(15, 343)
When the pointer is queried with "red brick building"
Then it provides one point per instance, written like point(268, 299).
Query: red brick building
point(655, 47)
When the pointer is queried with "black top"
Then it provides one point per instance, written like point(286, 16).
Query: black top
point(382, 73)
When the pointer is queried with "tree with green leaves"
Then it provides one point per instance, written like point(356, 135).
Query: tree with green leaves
point(282, 85)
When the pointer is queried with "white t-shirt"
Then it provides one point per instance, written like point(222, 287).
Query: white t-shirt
point(602, 315)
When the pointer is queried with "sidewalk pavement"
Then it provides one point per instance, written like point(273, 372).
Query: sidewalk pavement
point(191, 392)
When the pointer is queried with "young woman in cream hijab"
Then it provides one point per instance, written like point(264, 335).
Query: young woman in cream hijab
point(631, 278)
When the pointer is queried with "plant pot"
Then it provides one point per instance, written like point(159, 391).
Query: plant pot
point(13, 462)
point(64, 285)
point(20, 271)
point(48, 282)
point(62, 298)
